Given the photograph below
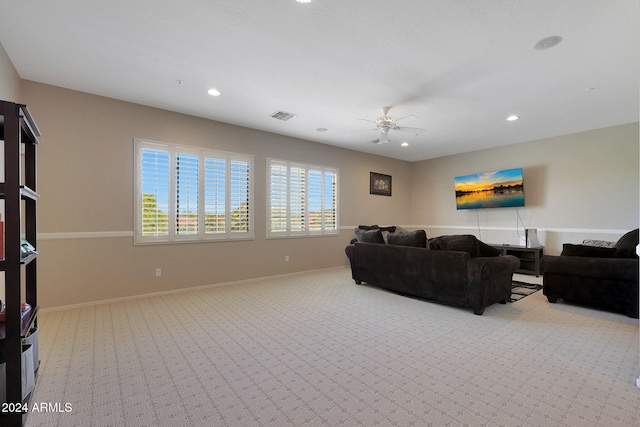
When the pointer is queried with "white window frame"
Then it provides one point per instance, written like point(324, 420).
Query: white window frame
point(297, 211)
point(201, 235)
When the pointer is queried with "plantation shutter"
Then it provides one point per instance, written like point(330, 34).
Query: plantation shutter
point(316, 201)
point(330, 201)
point(278, 183)
point(190, 194)
point(154, 192)
point(297, 199)
point(186, 197)
point(215, 199)
point(302, 199)
point(239, 195)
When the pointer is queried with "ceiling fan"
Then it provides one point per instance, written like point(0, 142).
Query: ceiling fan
point(386, 123)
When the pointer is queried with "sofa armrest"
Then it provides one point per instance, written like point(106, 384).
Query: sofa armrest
point(350, 251)
point(490, 266)
point(489, 280)
point(605, 268)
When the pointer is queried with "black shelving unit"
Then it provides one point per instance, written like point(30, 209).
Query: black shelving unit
point(20, 134)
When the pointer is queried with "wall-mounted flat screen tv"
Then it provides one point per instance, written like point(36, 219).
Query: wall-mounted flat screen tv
point(500, 189)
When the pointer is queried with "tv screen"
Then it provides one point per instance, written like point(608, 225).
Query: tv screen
point(500, 189)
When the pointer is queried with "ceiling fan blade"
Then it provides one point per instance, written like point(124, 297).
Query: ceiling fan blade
point(410, 130)
point(368, 121)
point(407, 119)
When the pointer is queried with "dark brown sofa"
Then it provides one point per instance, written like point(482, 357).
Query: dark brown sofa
point(605, 278)
point(460, 276)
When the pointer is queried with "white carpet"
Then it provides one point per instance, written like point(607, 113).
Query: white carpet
point(316, 349)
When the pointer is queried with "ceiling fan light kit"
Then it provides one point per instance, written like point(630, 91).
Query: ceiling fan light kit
point(386, 123)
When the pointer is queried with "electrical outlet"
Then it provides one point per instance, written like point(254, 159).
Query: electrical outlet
point(158, 272)
point(286, 258)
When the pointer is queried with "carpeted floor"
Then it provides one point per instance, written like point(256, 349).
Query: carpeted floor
point(317, 350)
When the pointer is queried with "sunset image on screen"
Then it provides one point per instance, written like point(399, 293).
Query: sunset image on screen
point(490, 190)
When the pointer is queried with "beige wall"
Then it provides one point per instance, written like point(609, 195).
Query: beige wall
point(577, 186)
point(86, 186)
point(9, 79)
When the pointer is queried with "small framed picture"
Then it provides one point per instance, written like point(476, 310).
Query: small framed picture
point(380, 184)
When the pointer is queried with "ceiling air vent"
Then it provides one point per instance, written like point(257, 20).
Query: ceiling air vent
point(282, 115)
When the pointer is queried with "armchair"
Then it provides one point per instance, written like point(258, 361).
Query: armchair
point(600, 277)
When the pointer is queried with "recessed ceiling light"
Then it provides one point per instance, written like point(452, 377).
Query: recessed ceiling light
point(513, 118)
point(213, 92)
point(303, 1)
point(548, 42)
point(405, 144)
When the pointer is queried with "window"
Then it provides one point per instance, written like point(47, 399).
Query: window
point(303, 199)
point(190, 194)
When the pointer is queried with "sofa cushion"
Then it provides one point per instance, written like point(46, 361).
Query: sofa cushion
point(369, 236)
point(587, 251)
point(416, 238)
point(464, 243)
point(626, 246)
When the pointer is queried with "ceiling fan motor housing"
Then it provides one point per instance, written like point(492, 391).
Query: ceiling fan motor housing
point(386, 122)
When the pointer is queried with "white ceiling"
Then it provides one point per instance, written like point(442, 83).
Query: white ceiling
point(461, 66)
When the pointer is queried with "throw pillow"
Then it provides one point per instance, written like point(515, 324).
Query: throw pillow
point(390, 229)
point(487, 250)
point(385, 230)
point(587, 251)
point(464, 243)
point(626, 246)
point(416, 238)
point(369, 236)
point(598, 243)
point(435, 243)
point(368, 227)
